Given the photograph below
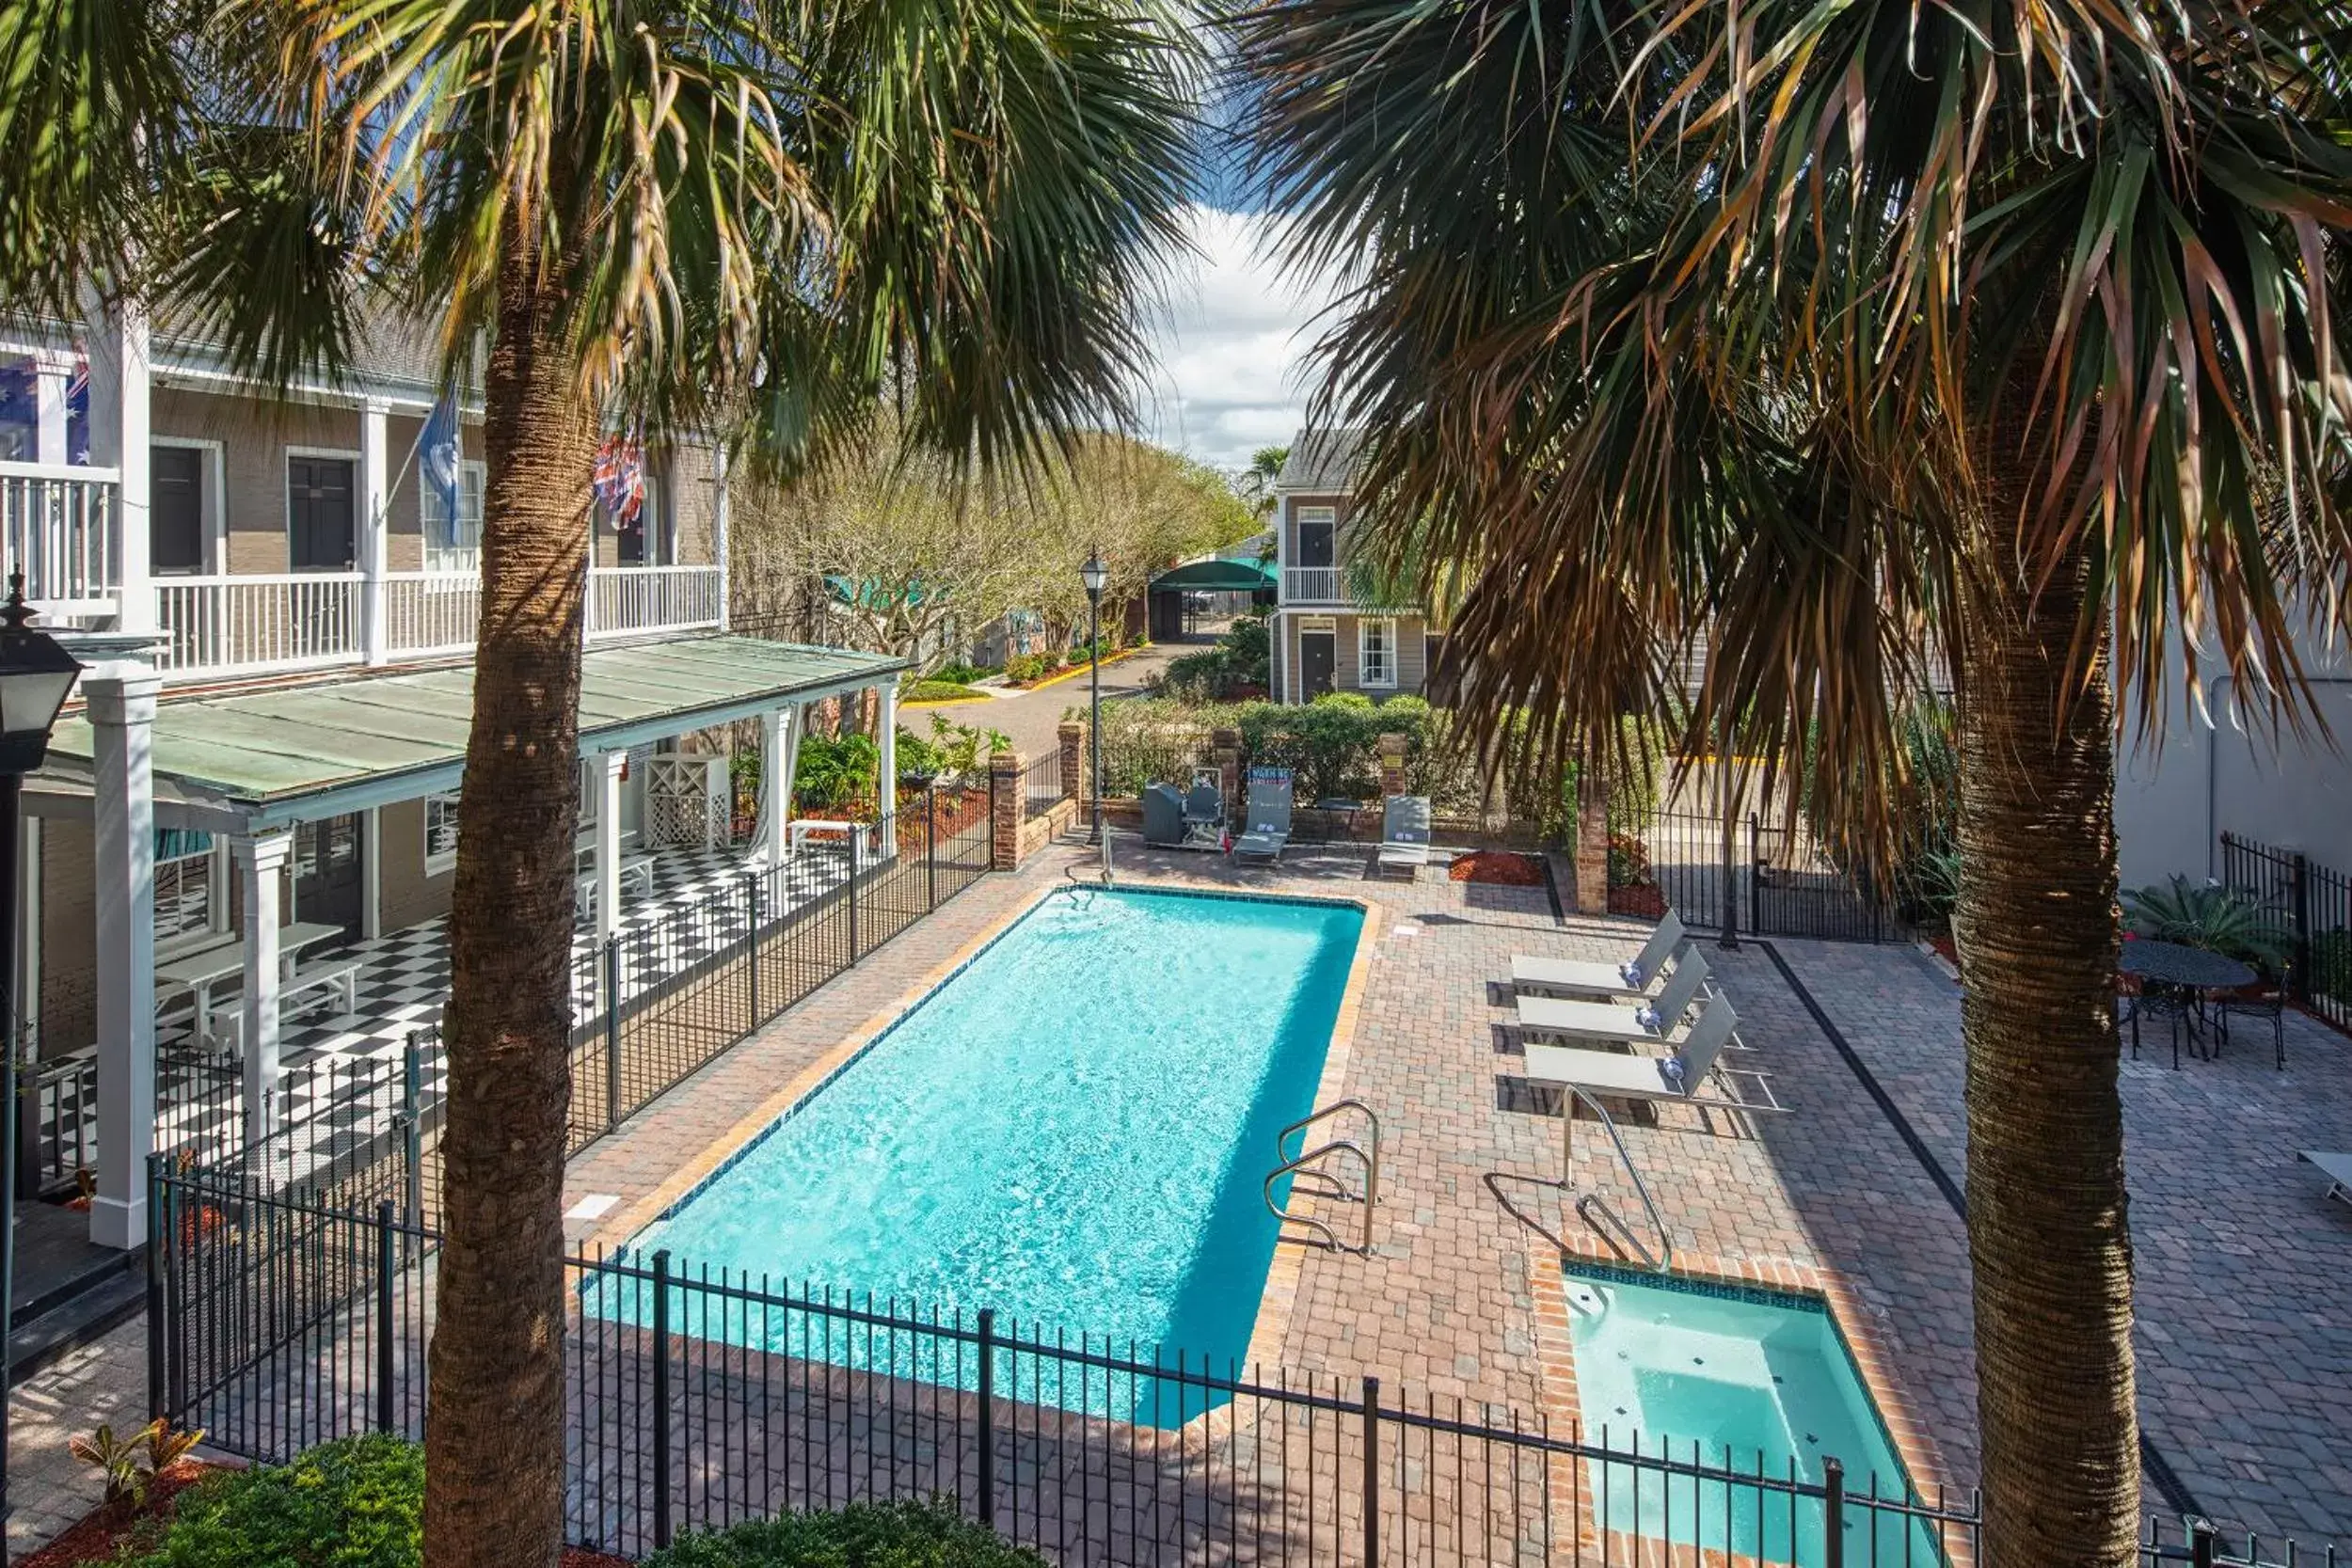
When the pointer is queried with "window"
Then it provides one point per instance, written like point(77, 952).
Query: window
point(463, 553)
point(1375, 653)
point(185, 883)
point(441, 834)
point(645, 542)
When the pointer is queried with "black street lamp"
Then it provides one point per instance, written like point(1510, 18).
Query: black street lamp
point(1095, 575)
point(36, 677)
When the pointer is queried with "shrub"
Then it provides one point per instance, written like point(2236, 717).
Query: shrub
point(962, 674)
point(1629, 862)
point(2331, 964)
point(1025, 668)
point(356, 1503)
point(835, 771)
point(2211, 917)
point(863, 1535)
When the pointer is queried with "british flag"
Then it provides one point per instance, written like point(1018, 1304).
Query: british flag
point(620, 480)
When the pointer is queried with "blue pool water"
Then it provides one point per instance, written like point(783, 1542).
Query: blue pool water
point(1073, 1130)
point(1750, 1378)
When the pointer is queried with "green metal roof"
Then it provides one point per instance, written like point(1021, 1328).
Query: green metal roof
point(349, 743)
point(1217, 577)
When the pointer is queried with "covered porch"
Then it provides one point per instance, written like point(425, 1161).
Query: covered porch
point(259, 982)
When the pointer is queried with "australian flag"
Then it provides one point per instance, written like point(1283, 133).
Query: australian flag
point(437, 466)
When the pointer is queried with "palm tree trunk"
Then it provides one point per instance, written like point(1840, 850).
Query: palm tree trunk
point(495, 1432)
point(2047, 1232)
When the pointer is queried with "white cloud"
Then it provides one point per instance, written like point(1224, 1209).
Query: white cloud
point(1230, 344)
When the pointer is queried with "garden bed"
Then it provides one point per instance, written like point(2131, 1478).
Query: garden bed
point(101, 1533)
point(1501, 868)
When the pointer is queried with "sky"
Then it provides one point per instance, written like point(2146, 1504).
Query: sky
point(1229, 340)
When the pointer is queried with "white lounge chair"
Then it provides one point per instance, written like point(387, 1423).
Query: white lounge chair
point(1613, 1021)
point(1269, 818)
point(1679, 1078)
point(2337, 1169)
point(1642, 975)
point(1404, 834)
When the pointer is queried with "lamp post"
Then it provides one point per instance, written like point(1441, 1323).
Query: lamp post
point(1095, 575)
point(36, 677)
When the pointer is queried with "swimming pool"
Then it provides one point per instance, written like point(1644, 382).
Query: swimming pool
point(1072, 1129)
point(1735, 1378)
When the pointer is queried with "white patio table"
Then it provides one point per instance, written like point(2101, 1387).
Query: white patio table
point(198, 971)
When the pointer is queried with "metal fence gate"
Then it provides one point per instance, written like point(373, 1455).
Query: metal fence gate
point(1762, 878)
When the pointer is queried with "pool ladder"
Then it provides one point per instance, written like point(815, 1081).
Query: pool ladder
point(1306, 1169)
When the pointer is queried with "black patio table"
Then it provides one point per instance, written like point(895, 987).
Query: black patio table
point(2192, 971)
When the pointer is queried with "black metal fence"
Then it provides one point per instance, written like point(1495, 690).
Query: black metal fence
point(1765, 879)
point(653, 1006)
point(2313, 904)
point(698, 1399)
point(1131, 762)
point(1041, 788)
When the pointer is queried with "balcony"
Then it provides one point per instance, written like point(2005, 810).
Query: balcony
point(635, 601)
point(59, 526)
point(1313, 585)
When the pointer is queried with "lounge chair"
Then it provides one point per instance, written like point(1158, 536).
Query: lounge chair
point(1680, 1077)
point(1639, 977)
point(2337, 1169)
point(1269, 818)
point(1204, 814)
point(1658, 1021)
point(1404, 834)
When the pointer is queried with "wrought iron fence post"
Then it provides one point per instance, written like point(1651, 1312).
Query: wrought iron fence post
point(854, 892)
point(931, 846)
point(1833, 1513)
point(384, 1254)
point(2299, 889)
point(662, 1398)
point(1372, 1472)
point(612, 982)
point(988, 1418)
point(412, 1121)
point(155, 1325)
point(1731, 875)
point(175, 1378)
point(758, 897)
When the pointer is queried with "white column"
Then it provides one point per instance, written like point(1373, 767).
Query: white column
point(52, 371)
point(886, 782)
point(779, 755)
point(122, 734)
point(261, 860)
point(375, 483)
point(118, 432)
point(720, 518)
point(607, 766)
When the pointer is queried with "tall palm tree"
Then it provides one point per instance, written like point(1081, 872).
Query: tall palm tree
point(1850, 339)
point(749, 216)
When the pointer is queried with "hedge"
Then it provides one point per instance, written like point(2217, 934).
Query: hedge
point(863, 1535)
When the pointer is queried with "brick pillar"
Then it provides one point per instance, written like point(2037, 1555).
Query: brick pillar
point(1005, 796)
point(1391, 749)
point(1073, 752)
point(1225, 746)
point(1592, 834)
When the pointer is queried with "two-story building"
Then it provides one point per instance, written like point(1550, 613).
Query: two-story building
point(241, 850)
point(1326, 639)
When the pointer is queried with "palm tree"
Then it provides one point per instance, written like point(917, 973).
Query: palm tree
point(749, 216)
point(1849, 340)
point(1256, 482)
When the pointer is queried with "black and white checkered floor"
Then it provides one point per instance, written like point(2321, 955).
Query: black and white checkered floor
point(695, 907)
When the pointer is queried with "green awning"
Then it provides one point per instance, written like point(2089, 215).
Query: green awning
point(303, 752)
point(1217, 577)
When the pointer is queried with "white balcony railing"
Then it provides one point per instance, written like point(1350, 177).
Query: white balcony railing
point(1313, 585)
point(58, 527)
point(244, 625)
point(633, 601)
point(431, 612)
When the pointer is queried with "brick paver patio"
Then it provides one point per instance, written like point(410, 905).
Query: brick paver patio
point(2247, 1347)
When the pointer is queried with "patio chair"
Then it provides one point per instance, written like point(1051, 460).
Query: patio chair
point(1659, 1020)
point(1204, 814)
point(2271, 1005)
point(1639, 977)
point(1269, 818)
point(2337, 1169)
point(2173, 1005)
point(1404, 834)
point(1679, 1078)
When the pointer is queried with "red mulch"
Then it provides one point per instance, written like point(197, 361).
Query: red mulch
point(1943, 945)
point(1496, 866)
point(94, 1539)
point(580, 1557)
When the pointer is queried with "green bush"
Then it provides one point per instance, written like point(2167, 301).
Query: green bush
point(835, 771)
point(2210, 917)
point(1025, 668)
point(863, 1535)
point(2331, 964)
point(357, 1503)
point(962, 674)
point(1240, 660)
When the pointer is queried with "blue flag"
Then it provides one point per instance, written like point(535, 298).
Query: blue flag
point(436, 468)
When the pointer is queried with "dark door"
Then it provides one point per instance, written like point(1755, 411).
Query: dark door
point(1318, 658)
point(319, 533)
point(175, 540)
point(1315, 544)
point(328, 884)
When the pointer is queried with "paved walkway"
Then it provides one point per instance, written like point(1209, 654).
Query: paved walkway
point(1033, 719)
